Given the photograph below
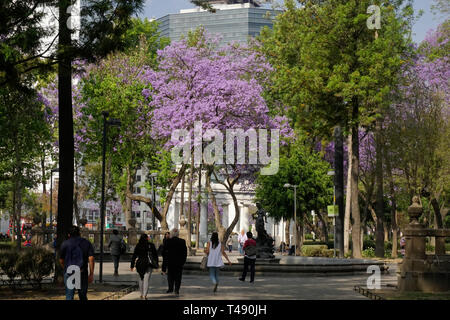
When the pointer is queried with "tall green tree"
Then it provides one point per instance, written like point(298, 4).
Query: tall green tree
point(305, 168)
point(23, 130)
point(330, 70)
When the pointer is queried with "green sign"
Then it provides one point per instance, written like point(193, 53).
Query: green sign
point(333, 211)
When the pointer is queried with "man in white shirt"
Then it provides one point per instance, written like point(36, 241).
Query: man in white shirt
point(241, 239)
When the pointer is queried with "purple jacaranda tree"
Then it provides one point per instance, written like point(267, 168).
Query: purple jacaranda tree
point(417, 126)
point(222, 88)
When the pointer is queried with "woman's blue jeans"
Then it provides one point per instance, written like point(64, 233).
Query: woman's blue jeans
point(214, 274)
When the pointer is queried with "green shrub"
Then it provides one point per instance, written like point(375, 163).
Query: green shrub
point(447, 247)
point(429, 248)
point(33, 264)
point(313, 250)
point(368, 243)
point(368, 253)
point(308, 236)
point(7, 245)
point(8, 259)
point(388, 246)
point(192, 244)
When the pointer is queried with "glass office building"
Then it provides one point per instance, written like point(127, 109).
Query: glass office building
point(235, 22)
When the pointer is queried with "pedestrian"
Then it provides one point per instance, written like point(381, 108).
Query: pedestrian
point(230, 243)
point(215, 250)
point(176, 254)
point(249, 257)
point(117, 247)
point(145, 258)
point(241, 239)
point(162, 252)
point(77, 251)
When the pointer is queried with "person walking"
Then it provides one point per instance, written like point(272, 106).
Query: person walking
point(116, 245)
point(241, 239)
point(77, 252)
point(162, 252)
point(176, 254)
point(145, 258)
point(249, 258)
point(215, 250)
point(230, 243)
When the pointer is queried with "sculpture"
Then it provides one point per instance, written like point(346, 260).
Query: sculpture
point(264, 242)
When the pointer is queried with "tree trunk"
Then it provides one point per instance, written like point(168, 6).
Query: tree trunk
point(182, 197)
point(437, 213)
point(76, 209)
point(161, 216)
point(18, 208)
point(339, 189)
point(299, 233)
point(189, 215)
point(65, 121)
point(220, 228)
point(287, 233)
point(44, 190)
point(131, 173)
point(224, 233)
point(379, 206)
point(348, 198)
point(356, 228)
point(324, 226)
point(199, 201)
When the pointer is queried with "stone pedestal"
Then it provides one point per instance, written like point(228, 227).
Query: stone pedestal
point(37, 236)
point(132, 235)
point(418, 271)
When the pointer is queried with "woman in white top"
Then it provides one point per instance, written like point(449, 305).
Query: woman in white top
point(215, 250)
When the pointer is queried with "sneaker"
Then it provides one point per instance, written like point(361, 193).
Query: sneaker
point(169, 291)
point(242, 279)
point(177, 294)
point(251, 281)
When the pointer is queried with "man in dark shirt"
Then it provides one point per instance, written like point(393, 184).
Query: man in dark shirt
point(77, 251)
point(176, 254)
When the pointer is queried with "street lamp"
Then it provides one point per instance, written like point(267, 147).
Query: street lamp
point(287, 185)
point(51, 195)
point(332, 173)
point(106, 123)
point(152, 177)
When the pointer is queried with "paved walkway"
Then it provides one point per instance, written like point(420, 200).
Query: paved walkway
point(199, 287)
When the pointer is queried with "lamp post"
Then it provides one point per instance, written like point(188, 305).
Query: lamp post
point(51, 195)
point(106, 123)
point(287, 185)
point(332, 173)
point(152, 177)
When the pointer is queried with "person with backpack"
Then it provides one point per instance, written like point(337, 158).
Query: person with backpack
point(117, 247)
point(145, 258)
point(249, 257)
point(78, 252)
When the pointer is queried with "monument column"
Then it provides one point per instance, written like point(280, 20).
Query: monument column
point(243, 219)
point(203, 223)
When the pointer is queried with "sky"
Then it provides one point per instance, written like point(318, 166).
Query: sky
point(158, 8)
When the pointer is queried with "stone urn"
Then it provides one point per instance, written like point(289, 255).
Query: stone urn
point(415, 211)
point(183, 222)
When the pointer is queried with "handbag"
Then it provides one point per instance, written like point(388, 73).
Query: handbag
point(203, 264)
point(151, 260)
